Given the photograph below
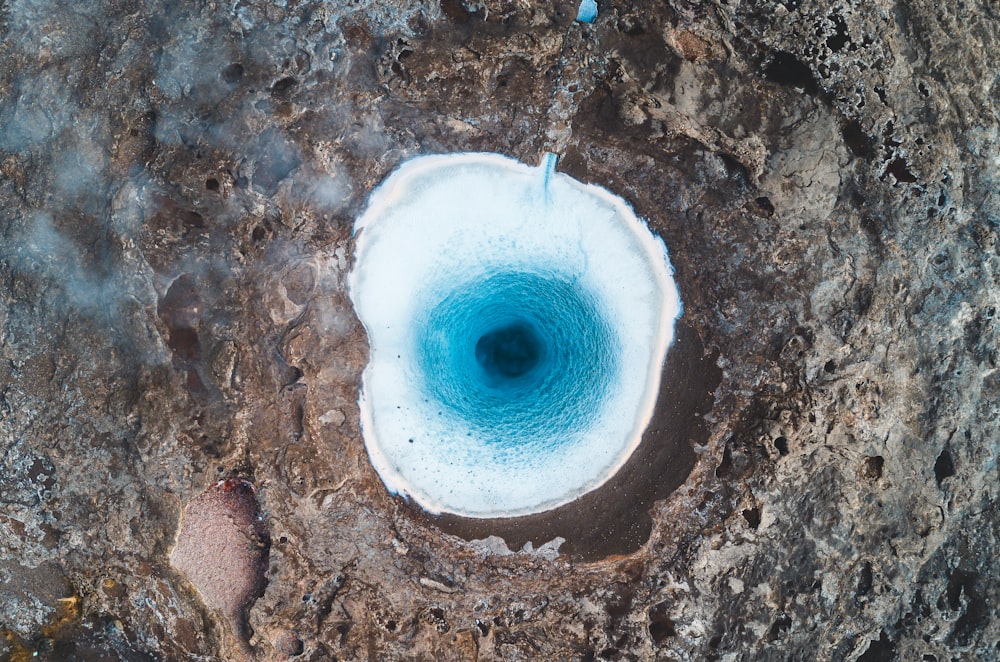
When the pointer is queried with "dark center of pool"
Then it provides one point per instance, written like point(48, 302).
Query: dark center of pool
point(510, 351)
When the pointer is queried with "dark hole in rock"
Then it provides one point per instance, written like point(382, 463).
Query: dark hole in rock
point(785, 69)
point(661, 625)
point(856, 139)
point(963, 592)
point(233, 73)
point(872, 467)
point(780, 625)
point(765, 205)
point(615, 518)
point(725, 467)
point(830, 366)
point(752, 516)
point(944, 466)
point(941, 262)
point(865, 579)
point(781, 444)
point(258, 233)
point(899, 169)
point(881, 650)
point(454, 10)
point(292, 376)
point(212, 184)
point(283, 88)
point(840, 37)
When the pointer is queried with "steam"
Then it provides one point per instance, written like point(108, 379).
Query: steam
point(43, 250)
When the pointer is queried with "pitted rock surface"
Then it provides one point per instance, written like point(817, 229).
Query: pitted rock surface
point(178, 184)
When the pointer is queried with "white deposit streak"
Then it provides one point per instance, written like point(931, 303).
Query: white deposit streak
point(442, 221)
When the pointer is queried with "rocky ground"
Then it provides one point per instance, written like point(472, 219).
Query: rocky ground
point(178, 183)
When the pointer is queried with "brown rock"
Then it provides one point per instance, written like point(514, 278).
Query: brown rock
point(222, 548)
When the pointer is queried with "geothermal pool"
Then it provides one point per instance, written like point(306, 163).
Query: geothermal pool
point(518, 321)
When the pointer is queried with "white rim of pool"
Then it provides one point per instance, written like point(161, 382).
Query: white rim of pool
point(518, 321)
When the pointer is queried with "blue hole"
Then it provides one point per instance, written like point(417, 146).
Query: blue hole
point(524, 358)
point(509, 352)
point(518, 322)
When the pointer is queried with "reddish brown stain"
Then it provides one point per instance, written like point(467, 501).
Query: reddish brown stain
point(222, 548)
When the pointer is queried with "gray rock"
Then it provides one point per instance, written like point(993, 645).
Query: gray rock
point(178, 184)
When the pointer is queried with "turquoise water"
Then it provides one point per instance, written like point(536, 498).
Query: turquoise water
point(525, 359)
point(518, 321)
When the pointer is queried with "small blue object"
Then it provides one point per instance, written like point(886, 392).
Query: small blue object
point(587, 12)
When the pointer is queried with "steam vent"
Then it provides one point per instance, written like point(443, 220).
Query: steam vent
point(354, 331)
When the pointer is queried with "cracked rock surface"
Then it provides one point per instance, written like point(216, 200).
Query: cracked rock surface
point(178, 183)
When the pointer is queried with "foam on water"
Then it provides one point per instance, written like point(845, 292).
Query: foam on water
point(518, 322)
